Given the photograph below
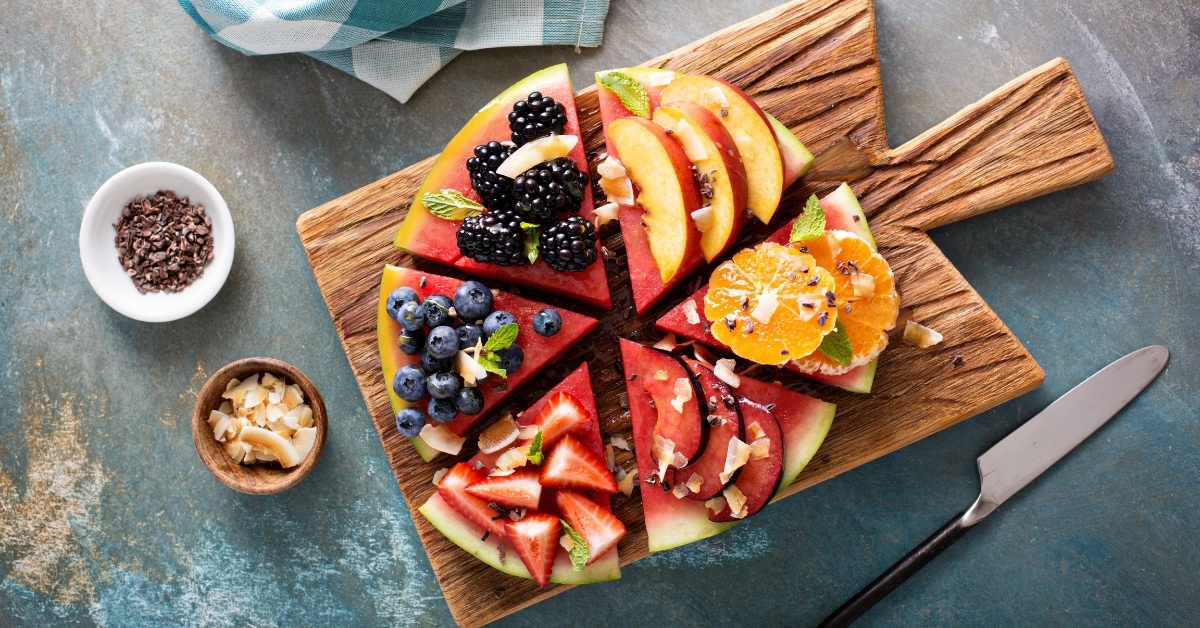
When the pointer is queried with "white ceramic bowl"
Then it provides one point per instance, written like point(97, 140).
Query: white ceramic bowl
point(98, 249)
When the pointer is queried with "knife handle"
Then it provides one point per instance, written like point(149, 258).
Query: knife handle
point(898, 573)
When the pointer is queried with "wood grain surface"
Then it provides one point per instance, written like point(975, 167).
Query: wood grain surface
point(815, 66)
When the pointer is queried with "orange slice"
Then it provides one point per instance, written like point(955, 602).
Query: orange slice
point(771, 303)
point(867, 301)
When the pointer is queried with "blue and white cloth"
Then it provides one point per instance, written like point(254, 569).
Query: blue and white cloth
point(396, 45)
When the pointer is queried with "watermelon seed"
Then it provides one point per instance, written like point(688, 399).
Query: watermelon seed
point(633, 377)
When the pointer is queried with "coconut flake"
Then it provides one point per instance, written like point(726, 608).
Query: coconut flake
point(690, 312)
point(863, 285)
point(714, 96)
point(538, 151)
point(611, 168)
point(680, 491)
point(606, 213)
point(610, 458)
point(659, 79)
point(510, 460)
point(499, 435)
point(735, 458)
point(437, 475)
point(661, 375)
point(703, 218)
point(619, 442)
point(442, 439)
point(469, 368)
point(920, 336)
point(737, 501)
point(695, 483)
point(626, 484)
point(703, 355)
point(690, 140)
point(764, 307)
point(755, 431)
point(683, 393)
point(760, 448)
point(668, 343)
point(678, 460)
point(724, 372)
point(527, 432)
point(663, 450)
point(716, 504)
point(566, 542)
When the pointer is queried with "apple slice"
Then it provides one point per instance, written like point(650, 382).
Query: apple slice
point(722, 176)
point(797, 159)
point(750, 130)
point(667, 192)
point(758, 481)
point(724, 419)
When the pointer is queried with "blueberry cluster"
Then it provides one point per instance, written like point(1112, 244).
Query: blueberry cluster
point(436, 329)
point(537, 198)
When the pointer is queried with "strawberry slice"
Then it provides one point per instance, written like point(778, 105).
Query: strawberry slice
point(599, 527)
point(515, 490)
point(535, 537)
point(562, 415)
point(572, 465)
point(453, 490)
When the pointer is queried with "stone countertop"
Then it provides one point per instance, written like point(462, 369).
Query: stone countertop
point(107, 515)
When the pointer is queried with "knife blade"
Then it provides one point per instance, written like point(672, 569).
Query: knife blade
point(1020, 458)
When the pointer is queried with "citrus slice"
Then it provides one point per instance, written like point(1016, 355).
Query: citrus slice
point(771, 303)
point(867, 301)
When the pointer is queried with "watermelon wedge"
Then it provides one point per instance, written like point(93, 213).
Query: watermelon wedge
point(433, 238)
point(538, 350)
point(842, 211)
point(672, 522)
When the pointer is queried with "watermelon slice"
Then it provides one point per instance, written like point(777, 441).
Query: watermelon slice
point(538, 350)
point(796, 157)
point(433, 238)
point(842, 211)
point(672, 522)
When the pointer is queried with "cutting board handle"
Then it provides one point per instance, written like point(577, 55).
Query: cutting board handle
point(1033, 136)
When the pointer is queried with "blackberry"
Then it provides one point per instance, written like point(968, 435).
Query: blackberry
point(494, 189)
point(569, 245)
point(494, 237)
point(536, 117)
point(549, 188)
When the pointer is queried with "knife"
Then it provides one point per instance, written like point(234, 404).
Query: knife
point(1019, 459)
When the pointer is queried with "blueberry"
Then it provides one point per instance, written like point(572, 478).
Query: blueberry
point(442, 342)
point(469, 336)
point(435, 365)
point(437, 310)
point(444, 385)
point(511, 359)
point(410, 421)
point(399, 297)
point(411, 316)
point(496, 320)
point(410, 342)
point(472, 301)
point(442, 410)
point(469, 401)
point(547, 322)
point(409, 383)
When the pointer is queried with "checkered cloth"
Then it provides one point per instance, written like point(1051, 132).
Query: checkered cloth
point(396, 45)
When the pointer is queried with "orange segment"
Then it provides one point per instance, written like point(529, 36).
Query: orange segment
point(771, 303)
point(867, 301)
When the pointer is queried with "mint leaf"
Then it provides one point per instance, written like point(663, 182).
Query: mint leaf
point(491, 363)
point(532, 232)
point(836, 345)
point(810, 223)
point(628, 89)
point(579, 552)
point(502, 339)
point(450, 205)
point(535, 449)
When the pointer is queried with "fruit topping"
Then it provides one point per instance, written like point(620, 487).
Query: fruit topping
point(397, 298)
point(548, 189)
point(615, 181)
point(510, 359)
point(411, 342)
point(469, 335)
point(409, 383)
point(411, 316)
point(410, 421)
point(573, 465)
point(920, 336)
point(519, 489)
point(681, 425)
point(442, 411)
point(537, 152)
point(494, 237)
point(436, 308)
point(724, 421)
point(800, 308)
point(562, 415)
point(569, 245)
point(535, 539)
point(494, 189)
point(453, 490)
point(494, 321)
point(469, 401)
point(547, 322)
point(536, 116)
point(499, 435)
point(760, 475)
point(442, 341)
point(599, 528)
point(444, 385)
point(473, 301)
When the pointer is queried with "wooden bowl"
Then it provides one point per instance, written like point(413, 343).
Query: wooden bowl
point(259, 478)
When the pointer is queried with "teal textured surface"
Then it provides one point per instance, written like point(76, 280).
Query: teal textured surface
point(108, 517)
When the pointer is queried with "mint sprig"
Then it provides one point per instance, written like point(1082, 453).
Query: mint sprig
point(632, 94)
point(532, 232)
point(836, 345)
point(502, 339)
point(450, 205)
point(535, 454)
point(810, 223)
point(579, 551)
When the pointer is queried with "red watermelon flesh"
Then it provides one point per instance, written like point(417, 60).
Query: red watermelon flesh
point(433, 238)
point(759, 479)
point(538, 350)
point(611, 107)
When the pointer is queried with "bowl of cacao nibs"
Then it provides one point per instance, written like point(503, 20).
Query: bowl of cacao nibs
point(156, 242)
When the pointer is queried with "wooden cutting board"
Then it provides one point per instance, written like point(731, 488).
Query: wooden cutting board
point(814, 64)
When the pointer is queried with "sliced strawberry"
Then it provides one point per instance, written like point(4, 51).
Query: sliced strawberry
point(562, 415)
point(572, 465)
point(453, 490)
point(599, 527)
point(535, 537)
point(515, 490)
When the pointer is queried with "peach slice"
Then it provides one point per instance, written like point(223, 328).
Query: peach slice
point(751, 133)
point(667, 191)
point(717, 160)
